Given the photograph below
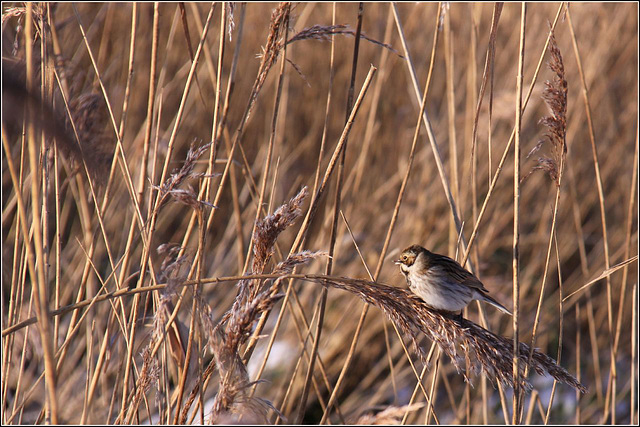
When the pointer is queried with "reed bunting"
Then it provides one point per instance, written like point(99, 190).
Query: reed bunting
point(441, 282)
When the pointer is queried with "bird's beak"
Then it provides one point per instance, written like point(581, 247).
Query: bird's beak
point(397, 262)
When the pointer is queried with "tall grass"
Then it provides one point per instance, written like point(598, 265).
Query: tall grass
point(219, 191)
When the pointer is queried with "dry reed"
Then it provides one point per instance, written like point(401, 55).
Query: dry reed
point(106, 320)
point(254, 298)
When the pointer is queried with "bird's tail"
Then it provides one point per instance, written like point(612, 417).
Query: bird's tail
point(495, 303)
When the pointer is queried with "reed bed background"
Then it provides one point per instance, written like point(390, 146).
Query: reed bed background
point(196, 141)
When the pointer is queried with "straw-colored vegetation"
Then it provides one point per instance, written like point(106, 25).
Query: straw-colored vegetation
point(219, 191)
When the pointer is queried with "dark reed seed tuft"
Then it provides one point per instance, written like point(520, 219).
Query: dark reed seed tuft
point(488, 353)
point(555, 96)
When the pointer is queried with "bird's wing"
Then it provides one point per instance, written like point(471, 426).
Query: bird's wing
point(460, 274)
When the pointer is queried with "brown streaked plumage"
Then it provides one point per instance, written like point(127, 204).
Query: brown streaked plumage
point(441, 282)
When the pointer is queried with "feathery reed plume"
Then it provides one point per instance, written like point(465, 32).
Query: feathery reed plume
point(170, 252)
point(178, 176)
point(287, 266)
point(253, 298)
point(174, 275)
point(268, 229)
point(324, 33)
point(270, 52)
point(190, 198)
point(19, 12)
point(284, 267)
point(170, 269)
point(555, 95)
point(171, 273)
point(391, 415)
point(148, 375)
point(487, 352)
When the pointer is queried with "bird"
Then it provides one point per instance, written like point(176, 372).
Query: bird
point(442, 282)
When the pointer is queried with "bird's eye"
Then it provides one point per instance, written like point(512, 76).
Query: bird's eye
point(404, 257)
